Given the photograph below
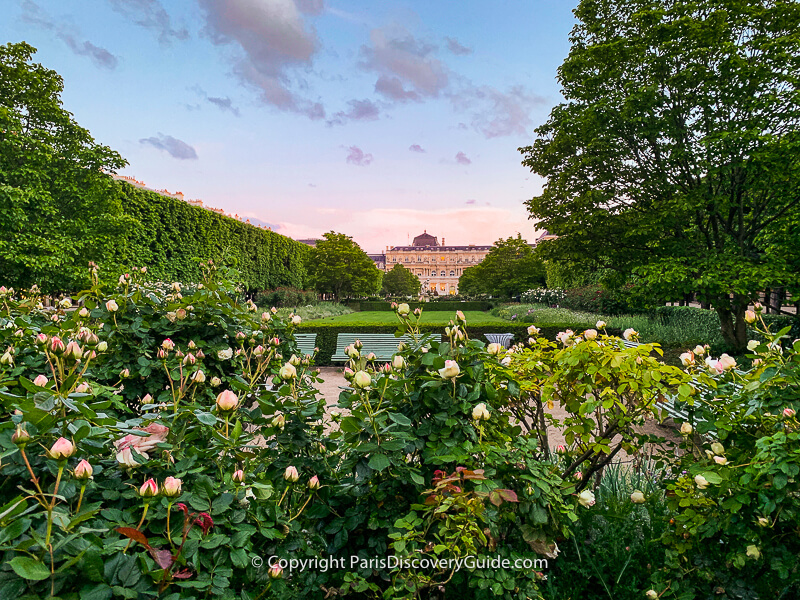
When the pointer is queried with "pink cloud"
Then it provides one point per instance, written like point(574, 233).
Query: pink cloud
point(356, 156)
point(462, 159)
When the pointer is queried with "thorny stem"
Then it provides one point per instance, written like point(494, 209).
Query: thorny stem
point(80, 498)
point(302, 509)
point(144, 514)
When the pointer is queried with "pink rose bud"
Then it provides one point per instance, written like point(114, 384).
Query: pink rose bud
point(240, 335)
point(41, 339)
point(61, 449)
point(73, 351)
point(560, 449)
point(180, 314)
point(148, 399)
point(162, 354)
point(275, 342)
point(258, 350)
point(227, 400)
point(313, 483)
point(124, 374)
point(238, 476)
point(788, 412)
point(112, 306)
point(148, 489)
point(40, 380)
point(358, 345)
point(291, 475)
point(192, 345)
point(189, 359)
point(83, 470)
point(460, 316)
point(83, 388)
point(200, 354)
point(417, 311)
point(168, 344)
point(275, 571)
point(171, 487)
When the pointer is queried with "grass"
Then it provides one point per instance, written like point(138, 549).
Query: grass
point(650, 329)
point(317, 311)
point(474, 318)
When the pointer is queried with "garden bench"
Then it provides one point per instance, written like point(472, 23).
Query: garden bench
point(504, 339)
point(306, 342)
point(383, 345)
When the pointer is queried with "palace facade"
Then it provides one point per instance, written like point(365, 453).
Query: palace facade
point(438, 266)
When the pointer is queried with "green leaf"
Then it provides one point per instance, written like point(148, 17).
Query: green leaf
point(379, 462)
point(206, 418)
point(400, 419)
point(28, 568)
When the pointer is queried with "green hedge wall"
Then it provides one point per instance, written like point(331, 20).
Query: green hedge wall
point(327, 334)
point(694, 319)
point(439, 306)
point(171, 235)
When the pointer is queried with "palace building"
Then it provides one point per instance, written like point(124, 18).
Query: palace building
point(438, 266)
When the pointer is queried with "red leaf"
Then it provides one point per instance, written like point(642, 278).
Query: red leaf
point(182, 574)
point(163, 558)
point(508, 495)
point(134, 534)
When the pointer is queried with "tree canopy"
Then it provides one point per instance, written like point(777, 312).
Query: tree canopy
point(338, 266)
point(55, 210)
point(509, 269)
point(676, 156)
point(400, 281)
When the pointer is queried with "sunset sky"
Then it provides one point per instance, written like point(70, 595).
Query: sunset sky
point(374, 119)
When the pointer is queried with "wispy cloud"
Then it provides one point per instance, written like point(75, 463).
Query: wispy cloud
point(456, 48)
point(224, 104)
point(174, 147)
point(31, 13)
point(409, 69)
point(356, 156)
point(151, 15)
point(416, 148)
point(462, 159)
point(359, 110)
point(273, 39)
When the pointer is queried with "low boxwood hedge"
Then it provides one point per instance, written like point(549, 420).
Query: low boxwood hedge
point(438, 306)
point(327, 334)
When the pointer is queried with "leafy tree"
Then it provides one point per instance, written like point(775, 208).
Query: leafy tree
point(338, 266)
point(509, 268)
point(677, 151)
point(55, 210)
point(401, 282)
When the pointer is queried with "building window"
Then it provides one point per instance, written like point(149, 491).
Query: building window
point(452, 273)
point(442, 287)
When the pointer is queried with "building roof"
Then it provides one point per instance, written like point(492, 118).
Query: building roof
point(442, 248)
point(425, 239)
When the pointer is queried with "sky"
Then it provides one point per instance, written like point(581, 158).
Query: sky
point(374, 119)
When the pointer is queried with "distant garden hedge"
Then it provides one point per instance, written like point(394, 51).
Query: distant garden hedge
point(437, 306)
point(171, 235)
point(327, 335)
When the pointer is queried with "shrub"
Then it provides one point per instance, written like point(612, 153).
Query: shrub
point(597, 299)
point(285, 297)
point(438, 305)
point(548, 296)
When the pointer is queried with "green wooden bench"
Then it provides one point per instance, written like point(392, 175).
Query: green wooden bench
point(383, 345)
point(306, 342)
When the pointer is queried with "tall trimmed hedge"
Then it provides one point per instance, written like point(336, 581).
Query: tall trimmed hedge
point(171, 235)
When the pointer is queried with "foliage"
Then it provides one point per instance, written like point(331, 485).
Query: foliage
point(447, 305)
point(615, 547)
point(338, 266)
point(56, 209)
point(399, 281)
point(509, 269)
point(597, 299)
point(171, 237)
point(736, 490)
point(551, 296)
point(320, 310)
point(285, 297)
point(675, 154)
point(81, 374)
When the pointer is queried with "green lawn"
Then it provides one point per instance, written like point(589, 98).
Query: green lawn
point(475, 318)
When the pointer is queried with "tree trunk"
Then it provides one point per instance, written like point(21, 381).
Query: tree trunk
point(776, 300)
point(767, 296)
point(734, 328)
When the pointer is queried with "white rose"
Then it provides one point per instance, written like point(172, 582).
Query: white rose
point(686, 428)
point(637, 497)
point(494, 349)
point(533, 330)
point(630, 334)
point(450, 370)
point(590, 334)
point(687, 358)
point(225, 354)
point(699, 350)
point(296, 320)
point(479, 413)
point(702, 482)
point(600, 324)
point(586, 498)
point(287, 372)
point(752, 345)
point(362, 379)
point(403, 309)
point(398, 362)
point(726, 363)
point(717, 448)
point(720, 460)
point(112, 306)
